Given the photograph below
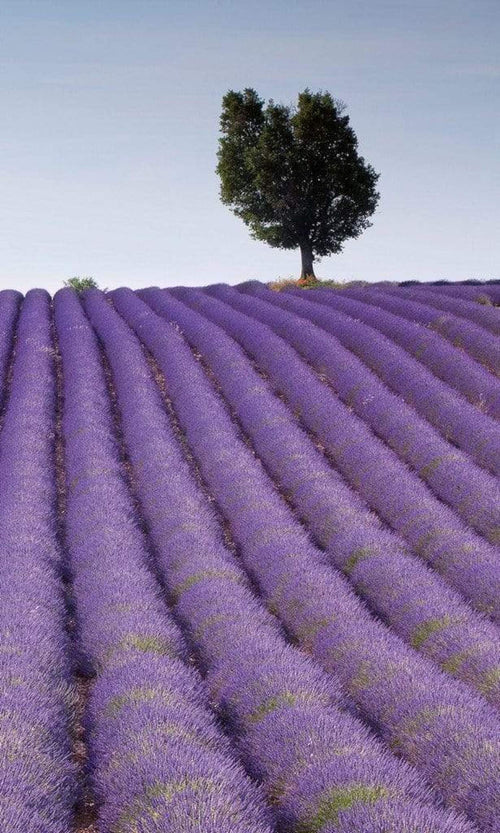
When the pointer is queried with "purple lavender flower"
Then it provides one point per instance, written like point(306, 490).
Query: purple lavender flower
point(318, 764)
point(453, 367)
point(467, 292)
point(10, 302)
point(432, 529)
point(452, 475)
point(464, 335)
point(483, 316)
point(158, 760)
point(417, 603)
point(416, 708)
point(37, 777)
point(459, 423)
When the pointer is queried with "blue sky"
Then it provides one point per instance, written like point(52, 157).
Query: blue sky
point(109, 119)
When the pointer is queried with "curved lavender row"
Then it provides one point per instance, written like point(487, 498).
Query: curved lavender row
point(466, 292)
point(415, 707)
point(482, 346)
point(158, 762)
point(321, 769)
point(452, 366)
point(450, 473)
point(492, 290)
point(435, 533)
point(37, 776)
point(433, 530)
point(417, 603)
point(457, 421)
point(483, 316)
point(10, 301)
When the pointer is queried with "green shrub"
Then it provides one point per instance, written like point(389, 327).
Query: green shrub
point(81, 283)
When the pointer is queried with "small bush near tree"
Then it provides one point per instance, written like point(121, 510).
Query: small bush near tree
point(81, 282)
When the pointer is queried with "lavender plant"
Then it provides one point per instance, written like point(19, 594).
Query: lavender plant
point(453, 367)
point(10, 302)
point(37, 776)
point(409, 433)
point(483, 316)
point(415, 708)
point(468, 292)
point(417, 602)
point(320, 768)
point(464, 335)
point(459, 423)
point(238, 570)
point(434, 531)
point(158, 760)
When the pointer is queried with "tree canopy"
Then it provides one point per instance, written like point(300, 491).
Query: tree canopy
point(293, 173)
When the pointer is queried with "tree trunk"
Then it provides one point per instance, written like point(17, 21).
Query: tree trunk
point(307, 260)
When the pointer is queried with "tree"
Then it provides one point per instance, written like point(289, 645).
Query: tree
point(293, 174)
point(81, 283)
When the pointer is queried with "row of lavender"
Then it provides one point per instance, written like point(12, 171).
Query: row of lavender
point(148, 710)
point(463, 333)
point(468, 291)
point(398, 495)
point(417, 602)
point(315, 604)
point(158, 759)
point(458, 421)
point(368, 797)
point(357, 383)
point(320, 768)
point(38, 784)
point(454, 366)
point(463, 307)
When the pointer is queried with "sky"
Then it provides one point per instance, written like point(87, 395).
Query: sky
point(109, 126)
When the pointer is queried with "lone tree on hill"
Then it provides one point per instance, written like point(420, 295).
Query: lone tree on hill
point(293, 174)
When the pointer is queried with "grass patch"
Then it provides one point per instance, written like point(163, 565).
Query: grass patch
point(285, 698)
point(136, 696)
point(490, 681)
point(339, 799)
point(201, 576)
point(355, 557)
point(143, 807)
point(424, 631)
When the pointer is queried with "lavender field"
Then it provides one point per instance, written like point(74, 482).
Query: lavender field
point(249, 576)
